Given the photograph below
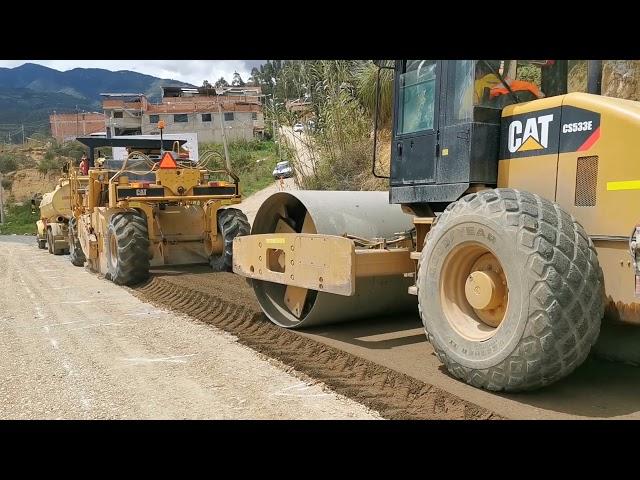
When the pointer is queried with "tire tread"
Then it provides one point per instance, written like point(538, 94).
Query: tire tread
point(567, 295)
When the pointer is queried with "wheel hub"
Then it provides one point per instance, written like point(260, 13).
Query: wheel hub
point(113, 250)
point(474, 291)
point(486, 289)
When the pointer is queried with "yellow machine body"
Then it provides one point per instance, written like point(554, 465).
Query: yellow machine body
point(56, 203)
point(590, 167)
point(508, 280)
point(55, 211)
point(180, 206)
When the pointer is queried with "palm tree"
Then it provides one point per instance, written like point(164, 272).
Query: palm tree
point(366, 74)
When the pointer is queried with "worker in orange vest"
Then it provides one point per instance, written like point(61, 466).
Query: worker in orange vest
point(488, 79)
point(84, 165)
point(516, 86)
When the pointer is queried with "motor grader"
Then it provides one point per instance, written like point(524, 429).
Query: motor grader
point(155, 208)
point(511, 216)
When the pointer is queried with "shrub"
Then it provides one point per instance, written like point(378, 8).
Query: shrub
point(50, 163)
point(253, 161)
point(19, 220)
point(8, 163)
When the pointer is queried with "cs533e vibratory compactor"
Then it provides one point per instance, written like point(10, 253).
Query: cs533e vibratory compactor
point(512, 215)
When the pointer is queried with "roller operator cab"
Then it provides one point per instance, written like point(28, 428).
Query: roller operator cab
point(522, 198)
point(447, 122)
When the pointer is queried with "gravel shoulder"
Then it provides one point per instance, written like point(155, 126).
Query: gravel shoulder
point(78, 347)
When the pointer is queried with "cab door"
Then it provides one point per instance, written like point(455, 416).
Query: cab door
point(416, 113)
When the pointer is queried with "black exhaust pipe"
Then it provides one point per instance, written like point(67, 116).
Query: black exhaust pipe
point(594, 77)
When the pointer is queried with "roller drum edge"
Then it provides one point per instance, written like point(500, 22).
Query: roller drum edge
point(364, 214)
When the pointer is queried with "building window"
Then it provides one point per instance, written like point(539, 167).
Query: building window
point(154, 118)
point(117, 114)
point(180, 118)
point(254, 115)
point(206, 117)
point(228, 116)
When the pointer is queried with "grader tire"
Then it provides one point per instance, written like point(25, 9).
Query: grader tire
point(127, 248)
point(42, 244)
point(232, 223)
point(553, 302)
point(76, 254)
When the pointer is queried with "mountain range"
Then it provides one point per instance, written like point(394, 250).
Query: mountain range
point(30, 93)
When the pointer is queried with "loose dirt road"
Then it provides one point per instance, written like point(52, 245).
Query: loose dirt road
point(387, 364)
point(250, 205)
point(74, 346)
point(304, 161)
point(300, 141)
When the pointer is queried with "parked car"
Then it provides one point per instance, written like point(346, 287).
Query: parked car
point(298, 127)
point(282, 170)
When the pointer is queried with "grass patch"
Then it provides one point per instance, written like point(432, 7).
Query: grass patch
point(18, 219)
point(252, 161)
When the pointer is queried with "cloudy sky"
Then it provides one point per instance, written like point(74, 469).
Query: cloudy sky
point(191, 71)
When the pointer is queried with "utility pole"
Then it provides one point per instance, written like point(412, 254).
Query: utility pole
point(227, 161)
point(276, 133)
point(1, 201)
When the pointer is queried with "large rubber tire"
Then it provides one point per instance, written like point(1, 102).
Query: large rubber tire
point(232, 223)
point(42, 244)
point(51, 244)
point(127, 248)
point(50, 241)
point(555, 290)
point(76, 254)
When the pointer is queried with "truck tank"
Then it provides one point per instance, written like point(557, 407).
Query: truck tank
point(57, 203)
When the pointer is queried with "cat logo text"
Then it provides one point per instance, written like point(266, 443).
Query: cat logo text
point(529, 134)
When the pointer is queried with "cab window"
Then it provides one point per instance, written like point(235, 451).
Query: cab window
point(417, 96)
point(461, 110)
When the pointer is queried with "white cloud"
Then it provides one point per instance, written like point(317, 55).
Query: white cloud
point(191, 71)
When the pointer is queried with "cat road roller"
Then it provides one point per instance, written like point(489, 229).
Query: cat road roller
point(156, 207)
point(512, 215)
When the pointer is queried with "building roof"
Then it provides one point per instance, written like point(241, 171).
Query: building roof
point(173, 91)
point(122, 95)
point(132, 141)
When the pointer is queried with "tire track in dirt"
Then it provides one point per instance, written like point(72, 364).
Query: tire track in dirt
point(227, 302)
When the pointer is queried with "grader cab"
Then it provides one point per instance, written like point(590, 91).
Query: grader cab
point(155, 208)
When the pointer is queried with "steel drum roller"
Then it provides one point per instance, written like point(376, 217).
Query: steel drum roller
point(363, 214)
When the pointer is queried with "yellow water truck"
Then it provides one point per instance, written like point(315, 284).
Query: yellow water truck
point(53, 226)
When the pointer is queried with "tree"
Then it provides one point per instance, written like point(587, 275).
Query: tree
point(206, 84)
point(366, 80)
point(237, 80)
point(254, 79)
point(221, 83)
